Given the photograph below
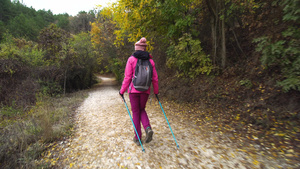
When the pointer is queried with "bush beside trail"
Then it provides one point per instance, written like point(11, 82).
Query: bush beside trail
point(26, 134)
point(35, 82)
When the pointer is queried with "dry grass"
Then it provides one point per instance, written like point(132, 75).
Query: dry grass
point(24, 134)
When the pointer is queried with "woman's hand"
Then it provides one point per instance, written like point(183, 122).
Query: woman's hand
point(122, 96)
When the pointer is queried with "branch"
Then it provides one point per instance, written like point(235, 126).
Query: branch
point(238, 43)
point(210, 7)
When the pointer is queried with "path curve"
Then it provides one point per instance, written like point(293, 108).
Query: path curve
point(104, 132)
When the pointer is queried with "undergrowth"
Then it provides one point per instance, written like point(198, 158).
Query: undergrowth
point(26, 132)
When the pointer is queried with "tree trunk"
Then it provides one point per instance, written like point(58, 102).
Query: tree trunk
point(223, 39)
point(214, 24)
point(65, 81)
point(214, 38)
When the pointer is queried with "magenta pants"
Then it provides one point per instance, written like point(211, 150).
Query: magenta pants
point(138, 104)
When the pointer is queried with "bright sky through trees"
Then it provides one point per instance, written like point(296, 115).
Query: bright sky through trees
point(65, 6)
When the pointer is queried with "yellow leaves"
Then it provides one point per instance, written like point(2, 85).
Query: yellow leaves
point(232, 155)
point(255, 138)
point(53, 162)
point(256, 6)
point(71, 165)
point(243, 150)
point(237, 117)
point(255, 162)
point(232, 138)
point(49, 154)
point(99, 6)
point(95, 33)
point(107, 12)
point(127, 18)
point(290, 155)
point(279, 134)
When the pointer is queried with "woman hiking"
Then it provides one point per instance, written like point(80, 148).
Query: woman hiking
point(138, 99)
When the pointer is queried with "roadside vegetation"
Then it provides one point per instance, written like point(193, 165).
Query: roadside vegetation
point(26, 134)
point(44, 63)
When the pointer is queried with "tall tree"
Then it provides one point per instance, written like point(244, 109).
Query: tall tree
point(169, 23)
point(23, 26)
point(81, 22)
point(5, 10)
point(63, 21)
point(223, 17)
point(53, 39)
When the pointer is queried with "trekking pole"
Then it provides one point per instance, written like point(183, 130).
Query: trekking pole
point(133, 124)
point(167, 120)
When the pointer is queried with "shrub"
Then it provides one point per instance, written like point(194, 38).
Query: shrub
point(23, 139)
point(189, 58)
point(284, 52)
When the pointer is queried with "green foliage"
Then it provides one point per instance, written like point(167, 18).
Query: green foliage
point(291, 10)
point(23, 26)
point(290, 83)
point(30, 71)
point(246, 83)
point(284, 52)
point(52, 39)
point(25, 62)
point(22, 21)
point(117, 67)
point(2, 30)
point(85, 61)
point(46, 16)
point(24, 51)
point(5, 10)
point(239, 9)
point(167, 19)
point(49, 88)
point(8, 49)
point(189, 58)
point(10, 111)
point(63, 21)
point(82, 44)
point(25, 22)
point(34, 56)
point(81, 22)
point(111, 59)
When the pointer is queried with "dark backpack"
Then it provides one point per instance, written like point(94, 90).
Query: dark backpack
point(143, 75)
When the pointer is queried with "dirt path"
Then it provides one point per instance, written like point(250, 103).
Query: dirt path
point(104, 132)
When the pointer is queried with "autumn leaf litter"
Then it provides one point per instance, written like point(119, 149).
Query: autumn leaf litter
point(103, 136)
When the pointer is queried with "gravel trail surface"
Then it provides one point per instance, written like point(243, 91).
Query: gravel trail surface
point(104, 132)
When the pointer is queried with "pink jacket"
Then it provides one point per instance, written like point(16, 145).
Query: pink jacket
point(129, 73)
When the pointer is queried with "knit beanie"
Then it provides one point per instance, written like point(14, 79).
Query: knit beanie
point(141, 44)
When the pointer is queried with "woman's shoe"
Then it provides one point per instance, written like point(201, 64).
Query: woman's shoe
point(136, 141)
point(149, 134)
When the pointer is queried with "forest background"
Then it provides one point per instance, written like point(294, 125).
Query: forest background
point(236, 59)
